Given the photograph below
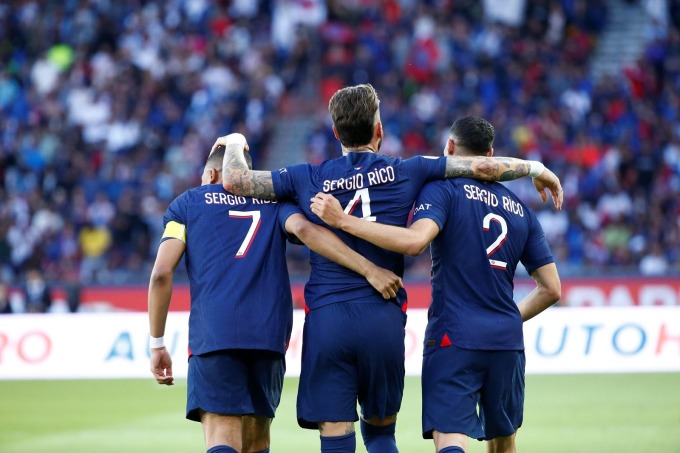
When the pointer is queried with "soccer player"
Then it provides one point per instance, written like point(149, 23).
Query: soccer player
point(337, 368)
point(474, 347)
point(241, 306)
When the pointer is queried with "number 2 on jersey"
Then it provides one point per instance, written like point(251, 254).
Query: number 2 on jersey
point(495, 245)
point(362, 196)
point(252, 231)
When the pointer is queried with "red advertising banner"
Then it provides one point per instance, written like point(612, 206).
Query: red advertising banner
point(581, 292)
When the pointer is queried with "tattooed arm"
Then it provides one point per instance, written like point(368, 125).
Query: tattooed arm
point(237, 176)
point(505, 169)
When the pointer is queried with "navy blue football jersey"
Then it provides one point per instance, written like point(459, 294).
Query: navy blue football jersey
point(485, 230)
point(235, 259)
point(370, 186)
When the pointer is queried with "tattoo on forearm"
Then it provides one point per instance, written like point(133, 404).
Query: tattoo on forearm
point(486, 169)
point(243, 181)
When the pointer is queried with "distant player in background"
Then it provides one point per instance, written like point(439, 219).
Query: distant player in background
point(474, 347)
point(241, 304)
point(367, 366)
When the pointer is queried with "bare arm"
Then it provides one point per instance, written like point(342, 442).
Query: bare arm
point(547, 292)
point(408, 241)
point(504, 169)
point(237, 178)
point(160, 292)
point(327, 244)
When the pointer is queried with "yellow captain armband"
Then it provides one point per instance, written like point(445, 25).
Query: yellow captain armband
point(176, 231)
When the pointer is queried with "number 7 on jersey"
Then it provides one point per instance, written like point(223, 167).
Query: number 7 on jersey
point(252, 231)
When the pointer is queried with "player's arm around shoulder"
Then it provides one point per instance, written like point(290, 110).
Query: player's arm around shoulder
point(548, 291)
point(410, 241)
point(324, 242)
point(506, 169)
point(237, 175)
point(160, 292)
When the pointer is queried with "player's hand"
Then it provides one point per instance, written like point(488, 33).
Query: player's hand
point(548, 180)
point(161, 366)
point(328, 208)
point(385, 282)
point(231, 139)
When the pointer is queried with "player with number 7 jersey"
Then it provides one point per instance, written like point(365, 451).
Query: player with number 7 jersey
point(241, 312)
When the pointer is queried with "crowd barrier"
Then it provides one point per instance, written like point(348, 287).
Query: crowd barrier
point(115, 345)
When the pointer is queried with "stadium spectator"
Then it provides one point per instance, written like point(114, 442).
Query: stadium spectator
point(104, 97)
point(5, 305)
point(36, 292)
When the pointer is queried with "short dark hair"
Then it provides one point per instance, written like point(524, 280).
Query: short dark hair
point(216, 158)
point(353, 111)
point(473, 134)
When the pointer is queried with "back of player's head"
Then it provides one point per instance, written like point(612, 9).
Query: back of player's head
point(354, 111)
point(473, 134)
point(215, 159)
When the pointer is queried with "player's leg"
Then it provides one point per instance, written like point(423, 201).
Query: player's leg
point(501, 405)
point(379, 335)
point(501, 445)
point(327, 393)
point(450, 442)
point(265, 384)
point(216, 402)
point(222, 433)
point(255, 434)
point(451, 380)
point(337, 437)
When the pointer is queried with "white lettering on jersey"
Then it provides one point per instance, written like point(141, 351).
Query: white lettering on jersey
point(353, 182)
point(224, 198)
point(512, 206)
point(479, 194)
point(380, 176)
point(421, 207)
point(476, 193)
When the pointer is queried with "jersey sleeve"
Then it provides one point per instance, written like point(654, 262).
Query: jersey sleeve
point(174, 220)
point(286, 210)
point(536, 250)
point(432, 203)
point(425, 168)
point(287, 180)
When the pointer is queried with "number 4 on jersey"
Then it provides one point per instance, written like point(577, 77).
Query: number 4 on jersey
point(495, 245)
point(362, 196)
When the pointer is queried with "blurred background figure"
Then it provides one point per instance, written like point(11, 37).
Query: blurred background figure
point(37, 293)
point(5, 306)
point(107, 110)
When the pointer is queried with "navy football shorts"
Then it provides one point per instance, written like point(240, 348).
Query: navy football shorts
point(235, 382)
point(456, 380)
point(351, 351)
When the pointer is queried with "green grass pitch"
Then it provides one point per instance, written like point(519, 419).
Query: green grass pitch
point(585, 413)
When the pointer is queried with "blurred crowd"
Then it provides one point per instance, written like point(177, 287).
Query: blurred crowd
point(108, 109)
point(614, 141)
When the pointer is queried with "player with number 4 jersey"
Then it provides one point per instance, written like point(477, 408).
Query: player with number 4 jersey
point(353, 342)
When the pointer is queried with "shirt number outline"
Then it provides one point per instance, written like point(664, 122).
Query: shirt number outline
point(361, 195)
point(256, 218)
point(495, 245)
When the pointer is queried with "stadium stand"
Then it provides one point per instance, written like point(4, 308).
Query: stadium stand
point(108, 108)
